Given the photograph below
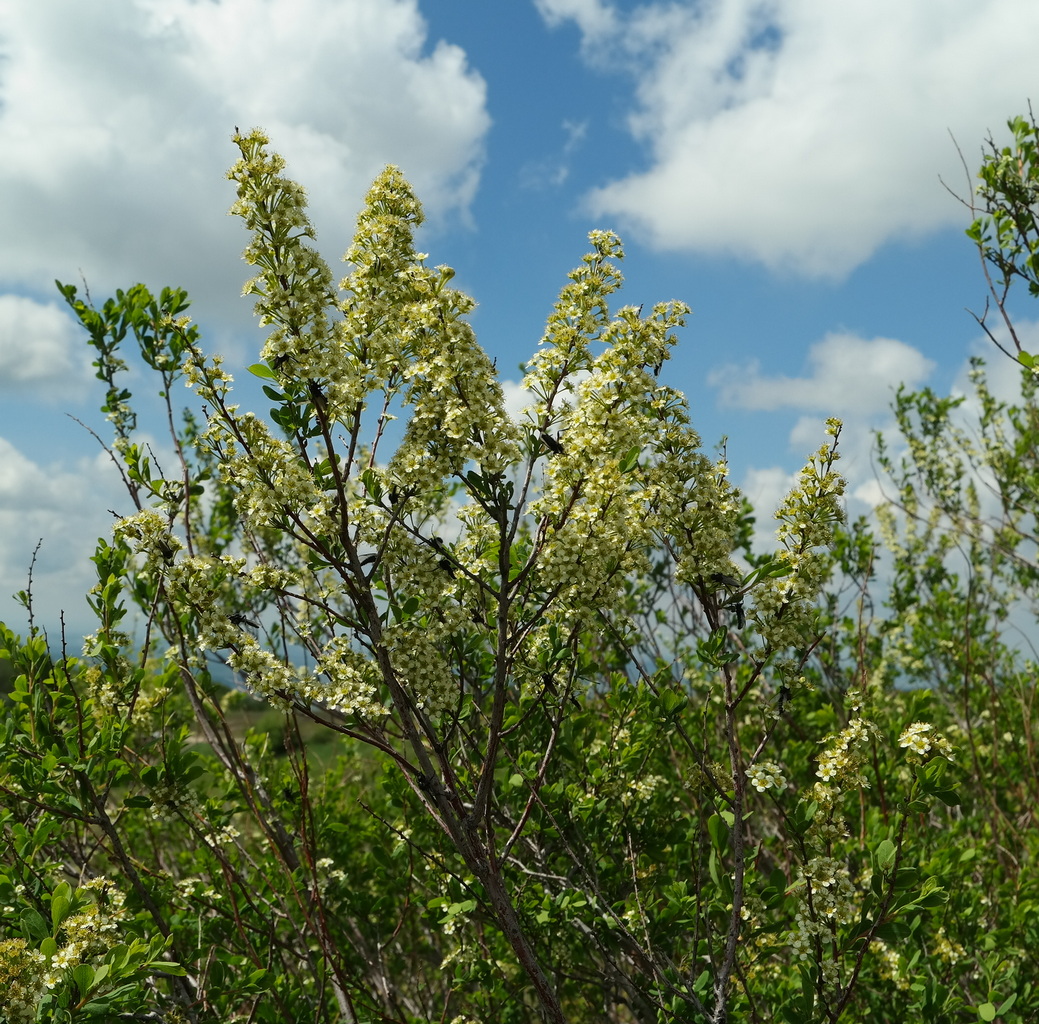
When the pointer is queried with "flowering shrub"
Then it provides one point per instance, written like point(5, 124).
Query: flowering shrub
point(553, 743)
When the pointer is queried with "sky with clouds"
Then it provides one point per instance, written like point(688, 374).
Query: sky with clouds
point(784, 167)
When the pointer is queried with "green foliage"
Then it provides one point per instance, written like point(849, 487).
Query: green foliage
point(533, 734)
point(1005, 227)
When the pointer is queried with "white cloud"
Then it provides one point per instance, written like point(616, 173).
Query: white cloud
point(116, 122)
point(854, 379)
point(594, 18)
point(765, 489)
point(1002, 373)
point(64, 510)
point(851, 378)
point(801, 134)
point(41, 348)
point(517, 399)
point(848, 376)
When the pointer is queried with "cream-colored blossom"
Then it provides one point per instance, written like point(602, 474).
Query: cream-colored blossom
point(23, 980)
point(923, 741)
point(766, 775)
point(784, 605)
point(840, 764)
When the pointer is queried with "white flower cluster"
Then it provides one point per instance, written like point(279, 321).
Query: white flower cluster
point(93, 926)
point(827, 898)
point(347, 681)
point(328, 878)
point(766, 775)
point(191, 888)
point(264, 673)
point(148, 532)
point(580, 313)
point(947, 950)
point(210, 381)
point(840, 764)
point(406, 327)
point(92, 931)
point(172, 801)
point(784, 606)
point(22, 980)
point(420, 666)
point(699, 507)
point(294, 285)
point(641, 789)
point(621, 466)
point(891, 964)
point(200, 584)
point(457, 411)
point(224, 835)
point(272, 483)
point(922, 741)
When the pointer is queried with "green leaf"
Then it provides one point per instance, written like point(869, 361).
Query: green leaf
point(1006, 1004)
point(671, 703)
point(932, 899)
point(408, 609)
point(987, 1011)
point(885, 854)
point(807, 992)
point(802, 817)
point(61, 900)
point(372, 484)
point(718, 832)
point(381, 854)
point(98, 1009)
point(631, 459)
point(263, 371)
point(83, 976)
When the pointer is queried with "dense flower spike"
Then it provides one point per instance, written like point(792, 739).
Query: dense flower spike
point(294, 285)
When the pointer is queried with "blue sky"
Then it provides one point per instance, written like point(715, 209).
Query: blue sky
point(777, 165)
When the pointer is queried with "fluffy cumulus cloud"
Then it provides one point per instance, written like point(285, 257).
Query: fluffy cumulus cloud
point(115, 125)
point(40, 349)
point(848, 376)
point(800, 134)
